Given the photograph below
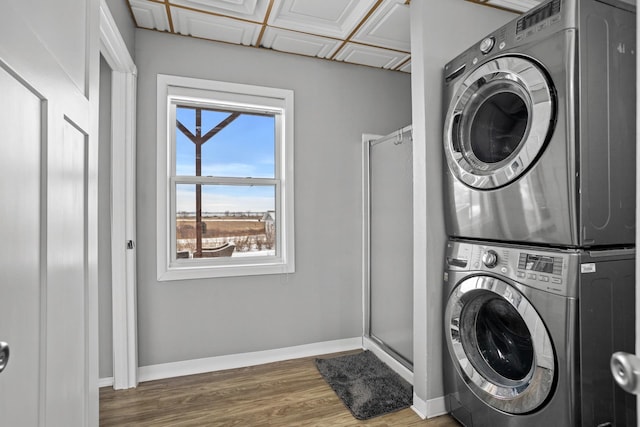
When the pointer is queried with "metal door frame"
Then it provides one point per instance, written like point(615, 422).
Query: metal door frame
point(396, 361)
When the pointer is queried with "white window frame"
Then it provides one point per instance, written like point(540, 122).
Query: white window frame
point(173, 90)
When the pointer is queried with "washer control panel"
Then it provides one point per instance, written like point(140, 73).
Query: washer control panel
point(543, 268)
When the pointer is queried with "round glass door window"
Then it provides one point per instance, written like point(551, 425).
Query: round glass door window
point(499, 345)
point(503, 340)
point(498, 122)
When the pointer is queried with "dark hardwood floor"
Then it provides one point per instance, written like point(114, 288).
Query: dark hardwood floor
point(290, 393)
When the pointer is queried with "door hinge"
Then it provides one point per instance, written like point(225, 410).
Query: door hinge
point(130, 244)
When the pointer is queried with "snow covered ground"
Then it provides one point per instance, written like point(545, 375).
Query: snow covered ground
point(215, 242)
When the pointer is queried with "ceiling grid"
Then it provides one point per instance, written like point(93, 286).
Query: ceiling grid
point(374, 33)
point(167, 7)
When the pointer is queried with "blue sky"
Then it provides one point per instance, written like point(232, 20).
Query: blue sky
point(244, 148)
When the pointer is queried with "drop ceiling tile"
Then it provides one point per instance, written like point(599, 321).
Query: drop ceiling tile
point(388, 27)
point(213, 27)
point(302, 44)
point(517, 5)
point(251, 10)
point(406, 68)
point(371, 56)
point(149, 14)
point(330, 18)
point(313, 28)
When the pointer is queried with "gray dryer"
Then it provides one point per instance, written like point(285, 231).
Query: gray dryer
point(539, 128)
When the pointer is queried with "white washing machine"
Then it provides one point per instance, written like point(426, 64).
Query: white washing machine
point(529, 332)
point(539, 128)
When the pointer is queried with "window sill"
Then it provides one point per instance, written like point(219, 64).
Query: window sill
point(186, 272)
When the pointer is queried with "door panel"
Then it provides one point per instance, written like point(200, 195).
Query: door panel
point(49, 64)
point(20, 260)
point(68, 42)
point(66, 362)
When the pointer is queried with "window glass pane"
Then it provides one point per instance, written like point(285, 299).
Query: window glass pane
point(243, 148)
point(211, 118)
point(234, 220)
point(232, 144)
point(187, 116)
point(185, 149)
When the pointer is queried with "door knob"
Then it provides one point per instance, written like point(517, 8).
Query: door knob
point(625, 368)
point(4, 355)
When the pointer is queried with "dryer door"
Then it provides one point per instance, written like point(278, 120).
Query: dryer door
point(498, 122)
point(499, 345)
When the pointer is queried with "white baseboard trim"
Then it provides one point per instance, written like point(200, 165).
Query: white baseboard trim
point(233, 361)
point(436, 407)
point(398, 367)
point(429, 408)
point(419, 406)
point(105, 382)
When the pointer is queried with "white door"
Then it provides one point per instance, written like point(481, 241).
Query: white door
point(48, 316)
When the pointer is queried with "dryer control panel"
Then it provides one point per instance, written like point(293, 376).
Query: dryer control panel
point(536, 25)
point(541, 268)
point(538, 19)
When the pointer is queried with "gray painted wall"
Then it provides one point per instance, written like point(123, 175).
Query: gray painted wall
point(440, 30)
point(334, 104)
point(122, 15)
point(105, 341)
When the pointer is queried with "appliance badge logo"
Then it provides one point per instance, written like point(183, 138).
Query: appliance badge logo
point(589, 267)
point(621, 48)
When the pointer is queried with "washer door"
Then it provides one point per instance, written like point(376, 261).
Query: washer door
point(499, 345)
point(498, 122)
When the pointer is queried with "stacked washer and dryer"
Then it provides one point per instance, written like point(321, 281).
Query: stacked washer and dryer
point(539, 141)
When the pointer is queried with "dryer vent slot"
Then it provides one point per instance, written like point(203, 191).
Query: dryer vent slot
point(455, 74)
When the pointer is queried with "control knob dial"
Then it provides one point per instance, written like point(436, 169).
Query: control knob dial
point(487, 44)
point(490, 258)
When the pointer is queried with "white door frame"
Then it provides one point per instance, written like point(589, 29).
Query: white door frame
point(123, 202)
